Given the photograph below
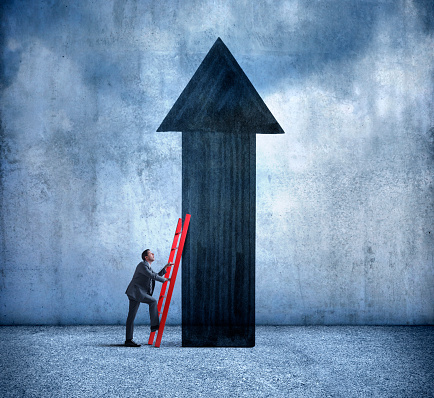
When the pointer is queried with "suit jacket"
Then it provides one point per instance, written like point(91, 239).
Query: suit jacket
point(143, 281)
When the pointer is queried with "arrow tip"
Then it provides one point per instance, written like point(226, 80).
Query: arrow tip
point(220, 98)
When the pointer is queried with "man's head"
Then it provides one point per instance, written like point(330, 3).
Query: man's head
point(148, 256)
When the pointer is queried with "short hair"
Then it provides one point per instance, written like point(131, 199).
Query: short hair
point(145, 253)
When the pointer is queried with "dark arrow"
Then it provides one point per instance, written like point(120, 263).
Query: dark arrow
point(219, 113)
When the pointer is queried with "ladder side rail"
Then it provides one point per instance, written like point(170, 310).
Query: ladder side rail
point(173, 279)
point(171, 256)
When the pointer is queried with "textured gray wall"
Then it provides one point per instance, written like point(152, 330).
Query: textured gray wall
point(344, 198)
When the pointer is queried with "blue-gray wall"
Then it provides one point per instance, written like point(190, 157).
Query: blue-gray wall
point(344, 200)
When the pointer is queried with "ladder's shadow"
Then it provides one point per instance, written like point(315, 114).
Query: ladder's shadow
point(170, 344)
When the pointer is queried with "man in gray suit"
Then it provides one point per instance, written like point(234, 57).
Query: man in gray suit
point(140, 290)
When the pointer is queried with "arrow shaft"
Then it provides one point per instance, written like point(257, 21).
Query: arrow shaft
point(218, 301)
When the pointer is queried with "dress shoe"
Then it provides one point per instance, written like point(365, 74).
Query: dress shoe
point(131, 343)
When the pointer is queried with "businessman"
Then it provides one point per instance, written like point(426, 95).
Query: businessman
point(140, 290)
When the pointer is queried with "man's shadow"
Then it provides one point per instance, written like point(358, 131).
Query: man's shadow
point(168, 344)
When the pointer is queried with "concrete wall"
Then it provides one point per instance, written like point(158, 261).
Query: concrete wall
point(344, 198)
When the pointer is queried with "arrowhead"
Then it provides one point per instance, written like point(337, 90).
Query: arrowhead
point(220, 98)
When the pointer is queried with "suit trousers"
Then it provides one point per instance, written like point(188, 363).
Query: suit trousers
point(134, 306)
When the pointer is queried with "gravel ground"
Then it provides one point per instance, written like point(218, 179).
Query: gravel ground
point(287, 361)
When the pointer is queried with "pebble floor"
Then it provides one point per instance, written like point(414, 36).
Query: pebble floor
point(287, 361)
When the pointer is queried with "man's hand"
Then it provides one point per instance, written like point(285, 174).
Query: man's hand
point(168, 279)
point(168, 265)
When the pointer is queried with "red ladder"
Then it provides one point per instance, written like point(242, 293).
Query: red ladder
point(180, 230)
